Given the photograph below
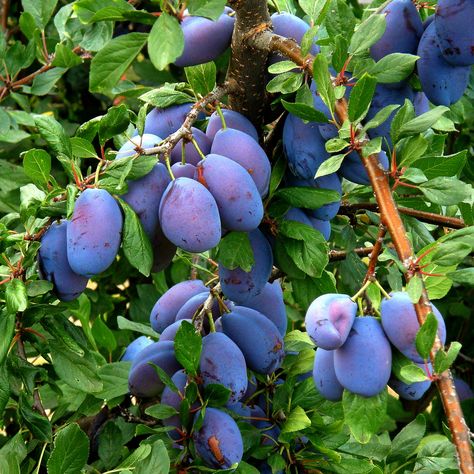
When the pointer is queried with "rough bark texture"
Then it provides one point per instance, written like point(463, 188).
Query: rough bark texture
point(248, 64)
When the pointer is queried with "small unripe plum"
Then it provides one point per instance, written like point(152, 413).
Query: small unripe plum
point(218, 441)
point(94, 233)
point(189, 216)
point(204, 39)
point(54, 265)
point(135, 347)
point(401, 325)
point(324, 376)
point(363, 363)
point(234, 120)
point(329, 320)
point(191, 155)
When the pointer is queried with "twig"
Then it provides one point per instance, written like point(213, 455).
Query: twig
point(336, 255)
point(198, 320)
point(5, 10)
point(374, 255)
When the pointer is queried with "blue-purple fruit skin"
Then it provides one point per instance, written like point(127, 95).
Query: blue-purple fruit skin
point(189, 216)
point(304, 147)
point(401, 325)
point(222, 362)
point(239, 202)
point(403, 31)
point(191, 155)
point(220, 431)
point(421, 103)
point(463, 390)
point(234, 120)
point(186, 170)
point(257, 337)
point(243, 149)
point(169, 333)
point(143, 380)
point(454, 20)
point(353, 170)
point(204, 39)
point(411, 391)
point(324, 376)
point(54, 265)
point(163, 122)
point(94, 232)
point(270, 303)
point(443, 83)
point(241, 286)
point(135, 347)
point(329, 320)
point(163, 251)
point(130, 147)
point(363, 363)
point(173, 399)
point(428, 22)
point(297, 215)
point(290, 26)
point(323, 226)
point(167, 306)
point(189, 308)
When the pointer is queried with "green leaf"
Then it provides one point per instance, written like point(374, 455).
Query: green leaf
point(426, 336)
point(372, 147)
point(165, 96)
point(166, 41)
point(407, 440)
point(135, 243)
point(7, 329)
point(393, 68)
point(331, 165)
point(323, 81)
point(315, 9)
point(334, 145)
point(364, 415)
point(308, 40)
point(157, 462)
point(361, 96)
point(414, 289)
point(297, 420)
point(41, 11)
point(410, 149)
point(367, 34)
point(281, 66)
point(111, 62)
point(160, 412)
point(380, 117)
point(451, 253)
point(53, 133)
point(90, 11)
point(187, 346)
point(297, 341)
point(235, 251)
point(103, 336)
point(422, 122)
point(211, 9)
point(43, 83)
point(304, 112)
point(435, 166)
point(307, 198)
point(124, 323)
point(70, 452)
point(64, 57)
point(216, 395)
point(37, 166)
point(38, 424)
point(446, 191)
point(114, 378)
point(82, 148)
point(115, 121)
point(202, 77)
point(444, 359)
point(285, 83)
point(15, 295)
point(464, 276)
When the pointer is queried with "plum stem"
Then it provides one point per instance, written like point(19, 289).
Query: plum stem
point(381, 288)
point(183, 153)
point(195, 144)
point(361, 291)
point(221, 115)
point(168, 166)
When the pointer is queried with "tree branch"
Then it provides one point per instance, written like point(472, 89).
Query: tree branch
point(390, 217)
point(5, 10)
point(374, 255)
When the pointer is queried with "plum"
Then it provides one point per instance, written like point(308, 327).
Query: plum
point(463, 389)
point(321, 225)
point(243, 149)
point(239, 202)
point(270, 303)
point(189, 216)
point(401, 325)
point(234, 120)
point(257, 337)
point(443, 83)
point(186, 170)
point(222, 362)
point(204, 39)
point(290, 26)
point(167, 306)
point(54, 265)
point(163, 122)
point(329, 320)
point(421, 103)
point(135, 347)
point(218, 441)
point(353, 169)
point(173, 399)
point(324, 376)
point(169, 333)
point(136, 144)
point(411, 391)
point(94, 232)
point(363, 363)
point(143, 380)
point(191, 155)
point(295, 214)
point(454, 21)
point(241, 286)
point(403, 31)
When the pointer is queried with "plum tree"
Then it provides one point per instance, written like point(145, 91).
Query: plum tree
point(189, 216)
point(233, 120)
point(204, 39)
point(355, 370)
point(167, 306)
point(94, 233)
point(257, 337)
point(329, 320)
point(222, 362)
point(401, 325)
point(218, 441)
point(191, 155)
point(135, 347)
point(239, 202)
point(54, 264)
point(324, 375)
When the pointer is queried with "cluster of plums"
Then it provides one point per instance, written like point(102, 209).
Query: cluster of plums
point(246, 338)
point(355, 353)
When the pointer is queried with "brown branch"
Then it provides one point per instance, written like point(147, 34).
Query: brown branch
point(5, 11)
point(336, 255)
point(391, 219)
point(428, 217)
point(374, 255)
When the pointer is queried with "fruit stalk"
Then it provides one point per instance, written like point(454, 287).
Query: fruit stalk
point(267, 41)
